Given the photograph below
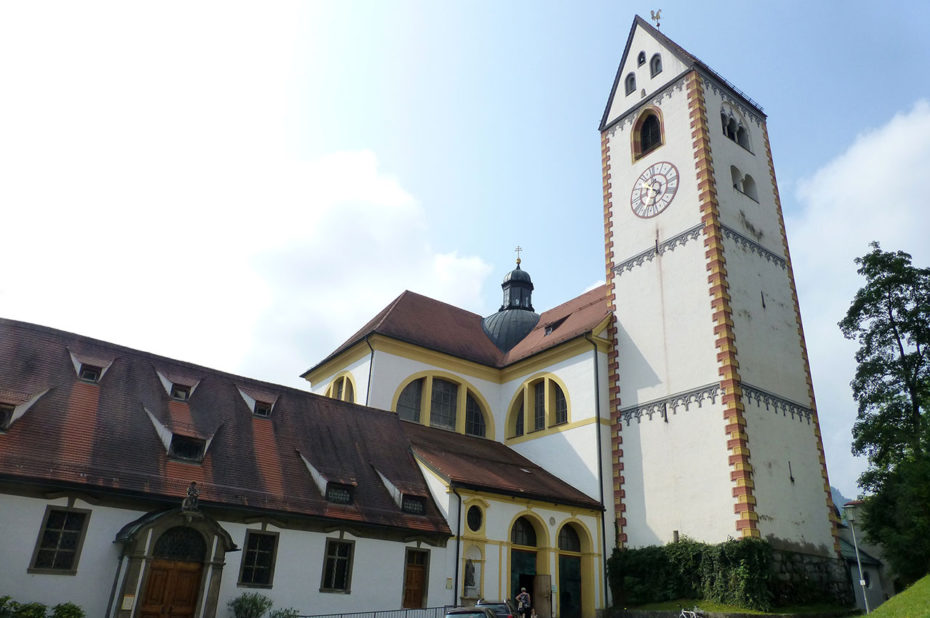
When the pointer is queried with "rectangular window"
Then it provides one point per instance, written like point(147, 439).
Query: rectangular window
point(539, 405)
point(415, 505)
point(258, 559)
point(337, 570)
point(58, 547)
point(262, 409)
point(339, 493)
point(184, 447)
point(181, 392)
point(89, 373)
point(6, 415)
point(443, 402)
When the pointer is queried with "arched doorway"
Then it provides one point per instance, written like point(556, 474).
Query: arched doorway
point(173, 560)
point(569, 573)
point(522, 556)
point(173, 583)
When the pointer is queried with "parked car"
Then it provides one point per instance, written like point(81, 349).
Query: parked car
point(470, 612)
point(503, 609)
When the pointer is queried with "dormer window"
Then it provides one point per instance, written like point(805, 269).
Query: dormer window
point(641, 59)
point(180, 392)
point(187, 448)
point(554, 325)
point(262, 409)
point(655, 65)
point(415, 505)
point(339, 493)
point(90, 373)
point(630, 83)
point(6, 415)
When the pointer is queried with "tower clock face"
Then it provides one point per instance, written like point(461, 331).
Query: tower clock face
point(654, 190)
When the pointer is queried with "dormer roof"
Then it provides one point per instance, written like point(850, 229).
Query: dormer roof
point(124, 435)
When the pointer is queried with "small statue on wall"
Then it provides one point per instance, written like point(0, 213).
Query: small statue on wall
point(192, 501)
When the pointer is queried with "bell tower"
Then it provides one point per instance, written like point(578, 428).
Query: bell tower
point(714, 424)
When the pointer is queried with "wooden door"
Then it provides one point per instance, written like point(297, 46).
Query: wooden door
point(172, 589)
point(415, 580)
point(542, 596)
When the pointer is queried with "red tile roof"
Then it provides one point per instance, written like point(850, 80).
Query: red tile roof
point(442, 327)
point(98, 437)
point(477, 463)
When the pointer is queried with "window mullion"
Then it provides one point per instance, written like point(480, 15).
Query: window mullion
point(460, 408)
point(426, 401)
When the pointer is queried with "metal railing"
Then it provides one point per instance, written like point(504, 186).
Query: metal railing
point(427, 612)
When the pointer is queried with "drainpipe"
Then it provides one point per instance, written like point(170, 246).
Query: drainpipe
point(600, 463)
point(371, 364)
point(458, 549)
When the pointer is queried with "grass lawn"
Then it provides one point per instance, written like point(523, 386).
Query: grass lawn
point(711, 606)
point(912, 603)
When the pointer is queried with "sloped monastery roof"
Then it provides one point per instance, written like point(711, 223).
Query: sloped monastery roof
point(442, 327)
point(105, 436)
point(486, 465)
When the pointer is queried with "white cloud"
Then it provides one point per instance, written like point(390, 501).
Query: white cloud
point(873, 191)
point(149, 198)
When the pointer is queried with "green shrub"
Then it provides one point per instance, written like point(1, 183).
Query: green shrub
point(735, 573)
point(28, 610)
point(250, 605)
point(67, 610)
point(290, 612)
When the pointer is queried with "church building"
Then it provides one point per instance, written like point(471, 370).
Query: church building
point(444, 457)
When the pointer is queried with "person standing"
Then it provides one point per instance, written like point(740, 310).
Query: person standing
point(524, 603)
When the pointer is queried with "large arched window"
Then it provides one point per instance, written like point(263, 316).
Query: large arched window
point(568, 539)
point(630, 83)
point(655, 65)
point(523, 533)
point(538, 404)
point(443, 402)
point(342, 388)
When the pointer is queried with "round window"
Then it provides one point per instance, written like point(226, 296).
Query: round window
point(474, 518)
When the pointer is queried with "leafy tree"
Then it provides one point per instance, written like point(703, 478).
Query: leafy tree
point(890, 318)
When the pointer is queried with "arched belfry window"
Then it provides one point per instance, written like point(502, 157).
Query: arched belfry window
point(655, 65)
point(742, 137)
point(641, 59)
point(737, 178)
point(630, 83)
point(749, 187)
point(648, 132)
point(650, 135)
point(523, 533)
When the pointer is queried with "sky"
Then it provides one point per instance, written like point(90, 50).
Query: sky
point(242, 185)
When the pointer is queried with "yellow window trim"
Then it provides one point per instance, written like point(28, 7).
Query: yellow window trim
point(346, 377)
point(524, 392)
point(461, 396)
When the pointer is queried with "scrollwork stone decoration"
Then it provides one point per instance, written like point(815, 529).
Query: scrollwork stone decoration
point(775, 403)
point(648, 255)
point(671, 403)
point(754, 247)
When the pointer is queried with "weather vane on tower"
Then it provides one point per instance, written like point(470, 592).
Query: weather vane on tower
point(656, 16)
